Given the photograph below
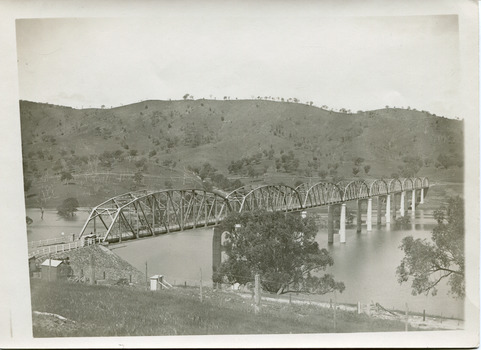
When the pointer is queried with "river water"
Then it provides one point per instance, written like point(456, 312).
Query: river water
point(366, 263)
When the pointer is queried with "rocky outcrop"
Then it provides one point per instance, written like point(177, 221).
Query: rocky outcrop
point(109, 268)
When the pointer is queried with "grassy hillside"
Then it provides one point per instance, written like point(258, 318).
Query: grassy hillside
point(167, 142)
point(125, 311)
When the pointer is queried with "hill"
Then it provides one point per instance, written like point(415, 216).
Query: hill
point(96, 153)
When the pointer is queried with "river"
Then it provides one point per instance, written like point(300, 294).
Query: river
point(366, 263)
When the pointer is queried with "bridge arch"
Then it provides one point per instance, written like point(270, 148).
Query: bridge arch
point(147, 213)
point(394, 185)
point(303, 189)
point(377, 188)
point(322, 193)
point(236, 197)
point(425, 182)
point(407, 184)
point(356, 189)
point(417, 182)
point(272, 198)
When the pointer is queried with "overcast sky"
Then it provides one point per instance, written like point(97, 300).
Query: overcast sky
point(358, 63)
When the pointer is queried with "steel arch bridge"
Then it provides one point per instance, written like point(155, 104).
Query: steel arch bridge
point(149, 213)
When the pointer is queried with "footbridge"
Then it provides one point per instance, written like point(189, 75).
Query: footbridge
point(149, 213)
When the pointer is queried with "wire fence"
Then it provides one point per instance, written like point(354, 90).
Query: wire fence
point(253, 291)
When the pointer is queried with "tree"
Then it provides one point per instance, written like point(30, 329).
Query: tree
point(358, 161)
point(428, 263)
point(279, 246)
point(68, 207)
point(138, 177)
point(367, 168)
point(66, 176)
point(355, 170)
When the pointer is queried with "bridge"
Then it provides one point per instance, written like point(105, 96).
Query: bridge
point(149, 213)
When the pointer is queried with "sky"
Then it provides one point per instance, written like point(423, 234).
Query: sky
point(357, 63)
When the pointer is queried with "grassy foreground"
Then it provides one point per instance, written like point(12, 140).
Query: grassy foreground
point(127, 311)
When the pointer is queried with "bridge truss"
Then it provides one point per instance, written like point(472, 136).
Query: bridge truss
point(149, 213)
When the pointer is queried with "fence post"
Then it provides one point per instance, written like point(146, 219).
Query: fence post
point(146, 278)
point(257, 294)
point(358, 307)
point(49, 265)
point(335, 312)
point(406, 324)
point(201, 286)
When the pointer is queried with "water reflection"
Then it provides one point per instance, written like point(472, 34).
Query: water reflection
point(52, 225)
point(367, 262)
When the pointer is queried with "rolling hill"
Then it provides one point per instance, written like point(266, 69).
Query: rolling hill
point(166, 143)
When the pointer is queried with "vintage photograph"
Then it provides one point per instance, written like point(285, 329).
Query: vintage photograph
point(271, 171)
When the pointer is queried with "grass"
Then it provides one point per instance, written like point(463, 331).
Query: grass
point(124, 311)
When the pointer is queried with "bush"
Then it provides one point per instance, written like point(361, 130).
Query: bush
point(68, 207)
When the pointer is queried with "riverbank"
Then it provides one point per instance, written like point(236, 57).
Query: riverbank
point(374, 310)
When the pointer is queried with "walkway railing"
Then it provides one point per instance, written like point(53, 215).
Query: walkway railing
point(51, 249)
point(50, 241)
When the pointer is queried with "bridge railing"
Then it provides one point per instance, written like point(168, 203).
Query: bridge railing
point(52, 249)
point(50, 241)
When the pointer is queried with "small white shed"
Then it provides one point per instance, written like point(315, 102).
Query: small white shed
point(157, 282)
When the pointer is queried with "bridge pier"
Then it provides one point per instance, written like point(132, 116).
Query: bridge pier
point(138, 226)
point(153, 218)
point(216, 249)
point(388, 209)
point(369, 215)
point(422, 196)
point(342, 226)
point(401, 209)
point(379, 210)
point(120, 233)
point(330, 224)
point(359, 218)
point(394, 209)
point(413, 205)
